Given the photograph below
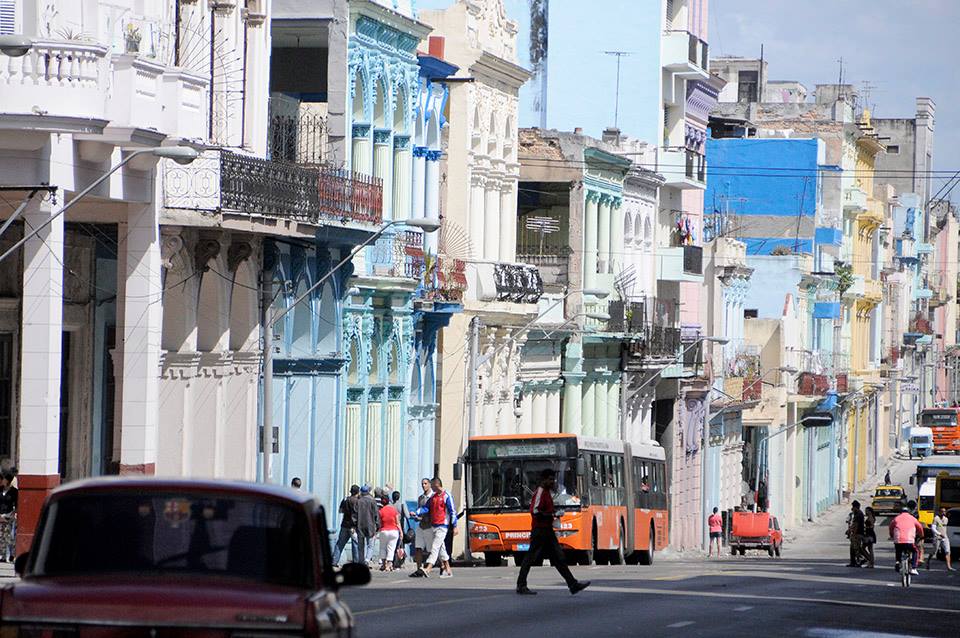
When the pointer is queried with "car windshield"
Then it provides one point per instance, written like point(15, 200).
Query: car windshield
point(245, 537)
point(889, 491)
point(511, 484)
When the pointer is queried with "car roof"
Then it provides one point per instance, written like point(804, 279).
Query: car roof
point(174, 484)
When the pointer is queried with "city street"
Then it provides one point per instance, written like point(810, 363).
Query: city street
point(808, 592)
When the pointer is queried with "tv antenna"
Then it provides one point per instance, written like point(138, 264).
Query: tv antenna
point(616, 106)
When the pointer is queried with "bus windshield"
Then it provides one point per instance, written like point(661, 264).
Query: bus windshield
point(510, 484)
point(938, 418)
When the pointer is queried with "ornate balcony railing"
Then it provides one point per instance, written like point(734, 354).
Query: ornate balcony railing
point(398, 254)
point(451, 280)
point(296, 132)
point(225, 181)
point(519, 283)
point(920, 325)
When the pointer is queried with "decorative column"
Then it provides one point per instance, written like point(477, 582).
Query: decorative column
point(590, 240)
point(573, 403)
point(491, 226)
point(540, 410)
point(382, 170)
point(419, 181)
point(477, 216)
point(613, 410)
point(401, 177)
point(508, 219)
point(618, 249)
point(526, 415)
point(603, 235)
point(432, 197)
point(590, 406)
point(142, 327)
point(361, 158)
point(40, 363)
point(553, 411)
point(600, 407)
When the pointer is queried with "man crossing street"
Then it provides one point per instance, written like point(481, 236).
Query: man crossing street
point(543, 538)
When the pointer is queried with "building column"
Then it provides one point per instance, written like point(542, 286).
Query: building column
point(477, 216)
point(613, 410)
point(618, 250)
point(527, 418)
point(590, 406)
point(432, 197)
point(40, 365)
point(419, 182)
point(491, 225)
point(590, 241)
point(382, 170)
point(553, 411)
point(142, 320)
point(508, 220)
point(573, 404)
point(401, 177)
point(603, 234)
point(540, 410)
point(361, 160)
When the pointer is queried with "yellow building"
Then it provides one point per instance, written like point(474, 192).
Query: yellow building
point(863, 216)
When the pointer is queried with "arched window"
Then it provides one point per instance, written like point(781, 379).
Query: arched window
point(475, 135)
point(359, 98)
point(508, 139)
point(380, 106)
point(492, 135)
point(353, 371)
point(647, 234)
point(400, 112)
point(394, 363)
point(301, 342)
point(374, 377)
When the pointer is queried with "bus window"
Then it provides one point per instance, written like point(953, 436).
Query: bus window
point(595, 470)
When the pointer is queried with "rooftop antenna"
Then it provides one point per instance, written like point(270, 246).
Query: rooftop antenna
point(616, 107)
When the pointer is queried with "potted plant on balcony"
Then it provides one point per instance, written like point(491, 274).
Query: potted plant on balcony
point(131, 38)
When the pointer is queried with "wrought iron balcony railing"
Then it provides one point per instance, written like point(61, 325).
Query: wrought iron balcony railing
point(221, 180)
point(519, 283)
point(296, 132)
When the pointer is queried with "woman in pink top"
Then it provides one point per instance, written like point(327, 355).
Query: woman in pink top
point(715, 522)
point(389, 535)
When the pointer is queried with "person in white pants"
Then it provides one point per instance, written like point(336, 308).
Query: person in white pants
point(442, 514)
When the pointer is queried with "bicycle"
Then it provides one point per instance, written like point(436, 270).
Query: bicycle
point(903, 566)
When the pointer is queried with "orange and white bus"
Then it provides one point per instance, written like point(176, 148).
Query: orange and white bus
point(945, 423)
point(613, 496)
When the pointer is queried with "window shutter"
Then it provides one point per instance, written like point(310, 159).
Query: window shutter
point(8, 17)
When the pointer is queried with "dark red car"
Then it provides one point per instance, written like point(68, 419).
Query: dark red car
point(156, 557)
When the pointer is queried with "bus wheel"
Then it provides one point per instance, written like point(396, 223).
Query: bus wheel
point(620, 556)
point(777, 550)
point(590, 555)
point(646, 556)
point(492, 559)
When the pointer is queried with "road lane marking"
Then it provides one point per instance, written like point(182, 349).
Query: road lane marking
point(380, 610)
point(743, 608)
point(682, 623)
point(766, 599)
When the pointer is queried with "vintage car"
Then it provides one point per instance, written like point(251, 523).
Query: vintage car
point(888, 499)
point(148, 557)
point(755, 530)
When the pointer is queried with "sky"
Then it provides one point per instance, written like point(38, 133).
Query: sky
point(902, 48)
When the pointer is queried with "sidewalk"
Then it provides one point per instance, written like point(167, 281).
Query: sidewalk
point(6, 573)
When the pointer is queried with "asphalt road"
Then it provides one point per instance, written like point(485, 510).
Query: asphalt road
point(807, 592)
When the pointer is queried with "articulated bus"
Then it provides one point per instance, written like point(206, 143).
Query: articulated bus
point(613, 496)
point(945, 423)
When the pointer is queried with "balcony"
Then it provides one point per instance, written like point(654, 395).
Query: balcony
point(872, 290)
point(854, 199)
point(683, 168)
point(685, 55)
point(297, 131)
point(224, 182)
point(398, 254)
point(503, 281)
point(681, 263)
point(553, 268)
point(920, 325)
point(449, 281)
point(924, 248)
point(82, 80)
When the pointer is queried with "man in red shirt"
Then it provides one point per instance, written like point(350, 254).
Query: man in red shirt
point(543, 540)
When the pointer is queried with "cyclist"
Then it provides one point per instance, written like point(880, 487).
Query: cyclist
point(905, 530)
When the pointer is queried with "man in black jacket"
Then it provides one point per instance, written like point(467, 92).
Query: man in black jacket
point(368, 522)
point(348, 526)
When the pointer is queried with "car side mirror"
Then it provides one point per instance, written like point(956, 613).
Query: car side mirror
point(20, 564)
point(457, 471)
point(581, 466)
point(353, 574)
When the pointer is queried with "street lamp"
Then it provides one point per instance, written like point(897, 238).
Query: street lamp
point(16, 46)
point(427, 225)
point(179, 154)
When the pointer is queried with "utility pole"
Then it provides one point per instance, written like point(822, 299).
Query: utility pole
point(616, 106)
